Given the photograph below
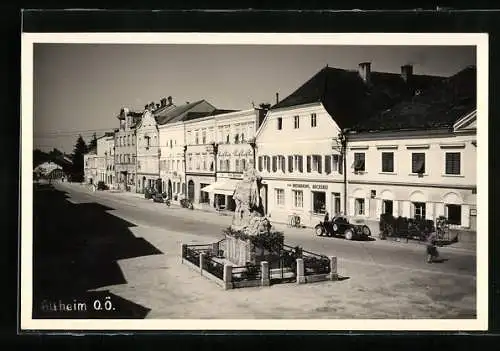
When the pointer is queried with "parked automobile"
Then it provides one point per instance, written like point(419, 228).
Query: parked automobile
point(149, 192)
point(340, 226)
point(102, 186)
point(186, 204)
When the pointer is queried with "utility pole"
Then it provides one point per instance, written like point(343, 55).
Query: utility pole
point(341, 146)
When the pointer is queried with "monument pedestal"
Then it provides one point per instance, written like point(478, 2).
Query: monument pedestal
point(240, 251)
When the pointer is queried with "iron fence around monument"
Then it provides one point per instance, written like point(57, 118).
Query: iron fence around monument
point(246, 273)
point(213, 267)
point(315, 263)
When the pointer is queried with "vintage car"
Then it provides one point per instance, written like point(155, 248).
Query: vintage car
point(339, 225)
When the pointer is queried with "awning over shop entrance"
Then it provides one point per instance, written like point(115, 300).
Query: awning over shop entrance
point(225, 187)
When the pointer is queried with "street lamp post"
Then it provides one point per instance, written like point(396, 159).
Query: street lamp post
point(215, 149)
point(185, 173)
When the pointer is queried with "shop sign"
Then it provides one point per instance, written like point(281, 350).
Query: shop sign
point(306, 186)
point(320, 186)
point(231, 175)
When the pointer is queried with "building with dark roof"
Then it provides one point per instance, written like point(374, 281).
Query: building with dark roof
point(299, 153)
point(417, 159)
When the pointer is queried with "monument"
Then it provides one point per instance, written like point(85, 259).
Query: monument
point(250, 238)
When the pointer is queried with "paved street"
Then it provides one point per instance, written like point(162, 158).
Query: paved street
point(138, 241)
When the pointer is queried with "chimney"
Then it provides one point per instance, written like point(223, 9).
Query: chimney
point(277, 98)
point(406, 72)
point(163, 102)
point(157, 106)
point(169, 100)
point(364, 70)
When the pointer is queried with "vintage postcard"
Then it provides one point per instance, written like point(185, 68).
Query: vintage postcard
point(228, 181)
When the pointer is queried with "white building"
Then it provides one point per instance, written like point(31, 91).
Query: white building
point(172, 146)
point(90, 160)
point(105, 158)
point(299, 155)
point(418, 159)
point(220, 148)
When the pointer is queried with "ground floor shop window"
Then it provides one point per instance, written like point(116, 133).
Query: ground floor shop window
point(298, 198)
point(454, 214)
point(280, 197)
point(387, 207)
point(319, 202)
point(204, 196)
point(359, 206)
point(418, 210)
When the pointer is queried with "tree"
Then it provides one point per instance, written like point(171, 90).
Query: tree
point(77, 172)
point(93, 143)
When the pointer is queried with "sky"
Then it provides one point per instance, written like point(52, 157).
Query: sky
point(80, 88)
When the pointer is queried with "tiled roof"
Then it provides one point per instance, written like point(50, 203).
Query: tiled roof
point(195, 115)
point(437, 107)
point(348, 99)
point(175, 115)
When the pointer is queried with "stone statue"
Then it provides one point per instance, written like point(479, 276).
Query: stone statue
point(249, 215)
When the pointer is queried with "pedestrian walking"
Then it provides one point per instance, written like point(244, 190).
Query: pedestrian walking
point(327, 218)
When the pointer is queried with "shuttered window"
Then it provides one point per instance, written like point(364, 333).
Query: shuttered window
point(418, 162)
point(308, 164)
point(260, 163)
point(275, 164)
point(359, 161)
point(387, 162)
point(281, 163)
point(328, 164)
point(290, 164)
point(453, 163)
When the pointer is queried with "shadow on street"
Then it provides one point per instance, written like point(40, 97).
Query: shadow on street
point(75, 249)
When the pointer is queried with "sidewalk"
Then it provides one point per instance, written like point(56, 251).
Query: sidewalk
point(172, 290)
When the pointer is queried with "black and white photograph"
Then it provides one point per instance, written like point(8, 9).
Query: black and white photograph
point(254, 181)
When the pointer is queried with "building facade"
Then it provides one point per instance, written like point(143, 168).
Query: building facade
point(148, 152)
point(126, 149)
point(104, 160)
point(90, 160)
point(418, 159)
point(173, 147)
point(234, 152)
point(300, 151)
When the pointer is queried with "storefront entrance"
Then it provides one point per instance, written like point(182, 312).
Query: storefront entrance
point(191, 191)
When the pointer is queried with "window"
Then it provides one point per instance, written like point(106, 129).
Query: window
point(196, 138)
point(227, 138)
point(453, 163)
point(313, 120)
point(170, 143)
point(454, 214)
point(316, 163)
point(204, 196)
point(296, 122)
point(319, 202)
point(227, 165)
point(359, 162)
point(243, 164)
point(298, 164)
point(418, 210)
point(204, 137)
point(281, 163)
point(260, 163)
point(237, 138)
point(147, 141)
point(388, 162)
point(418, 162)
point(237, 165)
point(242, 137)
point(280, 197)
point(328, 164)
point(221, 165)
point(298, 198)
point(290, 164)
point(133, 141)
point(275, 163)
point(280, 123)
point(359, 207)
point(387, 207)
point(128, 140)
point(178, 165)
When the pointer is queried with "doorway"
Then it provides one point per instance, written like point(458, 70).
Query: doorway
point(191, 190)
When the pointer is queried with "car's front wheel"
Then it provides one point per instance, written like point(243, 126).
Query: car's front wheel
point(348, 234)
point(319, 230)
point(366, 231)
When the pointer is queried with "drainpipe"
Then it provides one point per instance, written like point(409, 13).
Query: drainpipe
point(185, 173)
point(343, 140)
point(215, 151)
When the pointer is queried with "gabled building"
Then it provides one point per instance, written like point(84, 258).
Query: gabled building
point(299, 151)
point(90, 160)
point(148, 145)
point(418, 158)
point(172, 146)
